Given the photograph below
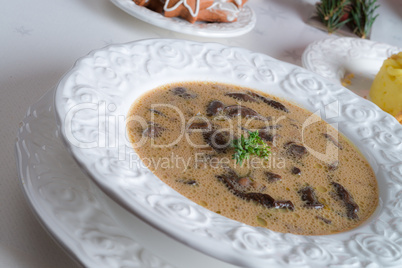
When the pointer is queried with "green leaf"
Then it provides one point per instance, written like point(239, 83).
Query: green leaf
point(253, 145)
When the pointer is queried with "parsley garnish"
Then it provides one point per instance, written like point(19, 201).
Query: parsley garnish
point(253, 145)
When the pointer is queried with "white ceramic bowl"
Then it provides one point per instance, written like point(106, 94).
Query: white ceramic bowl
point(93, 99)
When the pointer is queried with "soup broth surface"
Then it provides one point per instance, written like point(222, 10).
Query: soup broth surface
point(314, 181)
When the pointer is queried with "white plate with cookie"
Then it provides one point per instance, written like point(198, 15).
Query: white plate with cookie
point(245, 22)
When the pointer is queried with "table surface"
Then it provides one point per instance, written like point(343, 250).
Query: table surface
point(41, 40)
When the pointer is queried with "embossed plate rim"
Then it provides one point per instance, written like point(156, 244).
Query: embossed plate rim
point(245, 23)
point(22, 162)
point(115, 74)
point(323, 56)
point(48, 174)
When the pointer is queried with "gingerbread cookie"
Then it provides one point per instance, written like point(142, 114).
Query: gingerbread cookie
point(196, 10)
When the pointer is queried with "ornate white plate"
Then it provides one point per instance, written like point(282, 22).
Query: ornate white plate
point(93, 99)
point(76, 213)
point(245, 21)
point(335, 58)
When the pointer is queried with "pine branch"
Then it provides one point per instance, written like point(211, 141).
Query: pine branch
point(359, 15)
point(331, 13)
point(363, 17)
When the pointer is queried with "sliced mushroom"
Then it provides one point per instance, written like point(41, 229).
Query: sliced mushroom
point(157, 112)
point(183, 92)
point(333, 166)
point(294, 123)
point(263, 199)
point(272, 177)
point(325, 220)
point(230, 181)
point(267, 133)
point(247, 184)
point(351, 207)
point(244, 182)
point(295, 150)
point(198, 125)
point(295, 171)
point(153, 130)
point(214, 107)
point(274, 104)
point(273, 127)
point(218, 140)
point(256, 186)
point(284, 204)
point(243, 111)
point(333, 140)
point(309, 197)
point(188, 182)
point(241, 96)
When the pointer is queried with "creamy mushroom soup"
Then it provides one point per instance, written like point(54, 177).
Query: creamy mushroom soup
point(302, 177)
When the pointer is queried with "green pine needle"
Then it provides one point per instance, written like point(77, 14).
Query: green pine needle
point(330, 13)
point(253, 145)
point(363, 17)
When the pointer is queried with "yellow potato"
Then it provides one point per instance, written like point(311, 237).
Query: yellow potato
point(386, 90)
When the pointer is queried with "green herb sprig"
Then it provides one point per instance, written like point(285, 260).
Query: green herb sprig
point(331, 13)
point(358, 15)
point(363, 17)
point(253, 145)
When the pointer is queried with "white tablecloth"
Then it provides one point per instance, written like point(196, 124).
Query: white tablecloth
point(40, 41)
